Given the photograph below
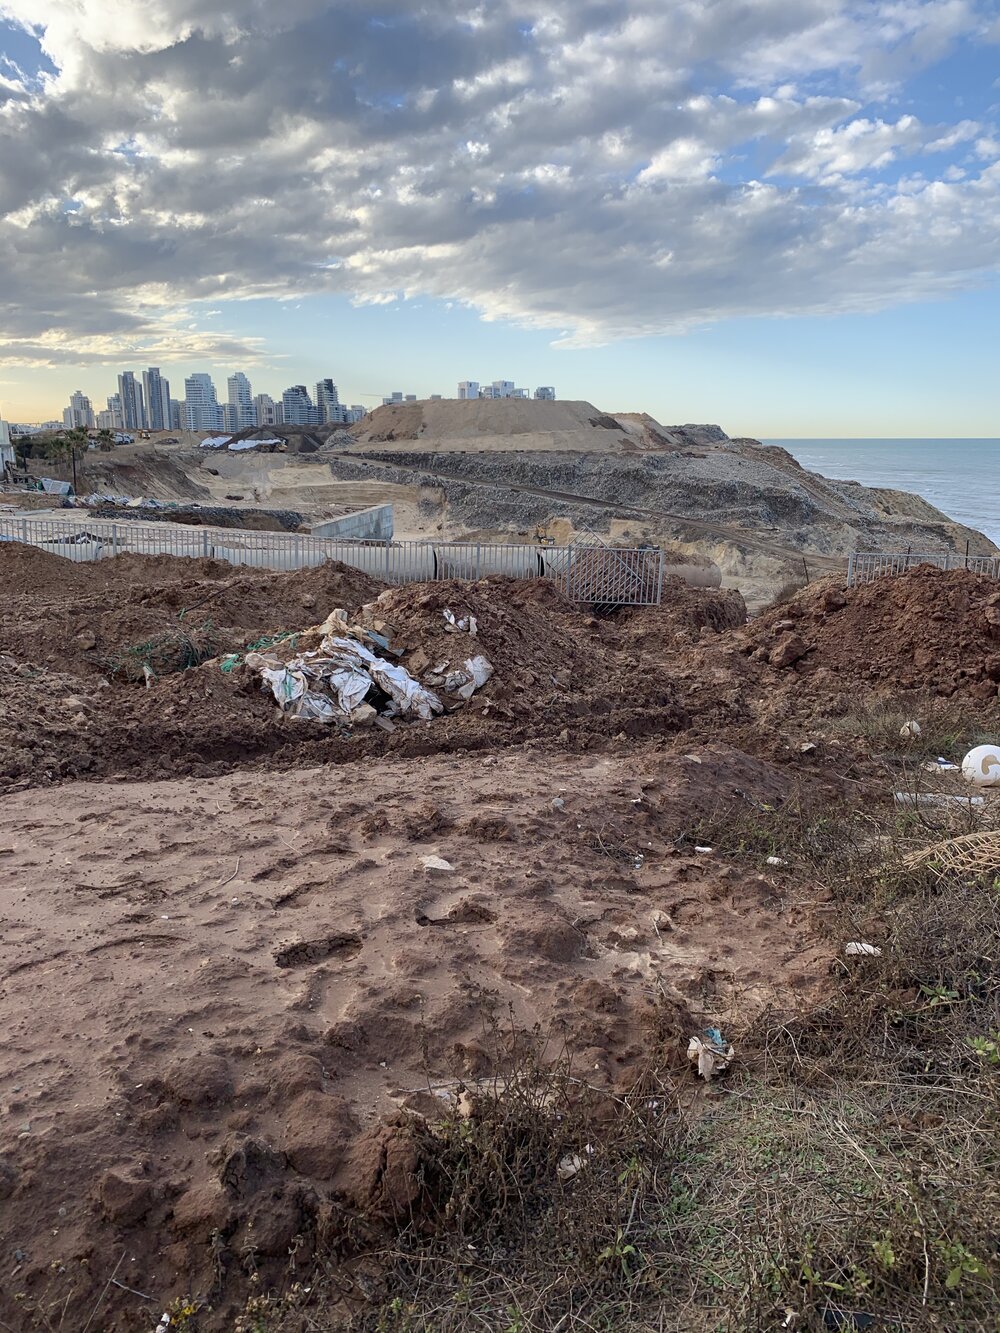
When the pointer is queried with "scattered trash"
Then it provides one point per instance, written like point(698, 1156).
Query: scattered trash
point(704, 851)
point(164, 1324)
point(558, 803)
point(436, 865)
point(569, 1166)
point(940, 765)
point(776, 861)
point(712, 1056)
point(472, 676)
point(858, 949)
point(332, 684)
point(981, 766)
point(935, 798)
point(807, 747)
point(453, 625)
point(909, 731)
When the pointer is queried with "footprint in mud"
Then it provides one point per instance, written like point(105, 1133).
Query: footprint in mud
point(466, 912)
point(304, 952)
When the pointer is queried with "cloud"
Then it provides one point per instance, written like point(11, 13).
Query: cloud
point(610, 169)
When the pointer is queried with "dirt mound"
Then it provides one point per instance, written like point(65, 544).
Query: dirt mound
point(96, 619)
point(684, 612)
point(927, 630)
point(217, 1009)
point(30, 570)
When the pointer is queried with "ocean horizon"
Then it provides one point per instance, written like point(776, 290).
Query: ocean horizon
point(961, 477)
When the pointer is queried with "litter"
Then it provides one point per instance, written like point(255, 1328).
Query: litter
point(436, 864)
point(712, 1056)
point(569, 1166)
point(471, 676)
point(940, 765)
point(331, 684)
point(776, 861)
point(704, 851)
point(858, 949)
point(981, 766)
point(935, 798)
point(910, 731)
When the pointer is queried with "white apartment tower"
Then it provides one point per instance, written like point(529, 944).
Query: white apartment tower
point(545, 393)
point(267, 411)
point(328, 402)
point(240, 411)
point(468, 389)
point(156, 391)
point(203, 409)
point(80, 413)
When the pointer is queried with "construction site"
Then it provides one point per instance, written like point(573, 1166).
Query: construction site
point(554, 904)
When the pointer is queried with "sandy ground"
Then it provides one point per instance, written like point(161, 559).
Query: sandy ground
point(191, 968)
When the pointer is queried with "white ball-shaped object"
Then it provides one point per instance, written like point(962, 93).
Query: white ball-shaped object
point(981, 766)
point(909, 730)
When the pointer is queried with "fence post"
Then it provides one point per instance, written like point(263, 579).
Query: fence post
point(479, 560)
point(204, 542)
point(659, 577)
point(24, 531)
point(850, 571)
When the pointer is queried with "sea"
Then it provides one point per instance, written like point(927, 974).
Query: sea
point(959, 477)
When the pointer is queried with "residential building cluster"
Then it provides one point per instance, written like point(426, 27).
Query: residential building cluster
point(143, 403)
point(502, 389)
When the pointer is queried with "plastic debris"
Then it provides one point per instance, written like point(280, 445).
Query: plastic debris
point(465, 680)
point(569, 1166)
point(776, 861)
point(436, 865)
point(711, 1053)
point(859, 949)
point(981, 766)
point(935, 798)
point(910, 731)
point(940, 765)
point(704, 851)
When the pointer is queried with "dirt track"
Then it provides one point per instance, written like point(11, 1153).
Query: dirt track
point(226, 969)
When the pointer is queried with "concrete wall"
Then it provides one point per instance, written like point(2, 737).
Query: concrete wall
point(368, 525)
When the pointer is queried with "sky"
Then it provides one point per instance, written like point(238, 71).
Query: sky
point(780, 216)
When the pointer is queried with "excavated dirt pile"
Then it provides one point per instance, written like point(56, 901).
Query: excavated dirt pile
point(927, 630)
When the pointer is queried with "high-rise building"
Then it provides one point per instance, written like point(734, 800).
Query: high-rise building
point(353, 414)
point(298, 407)
point(203, 409)
point(468, 389)
point(156, 391)
point(107, 421)
point(133, 408)
point(503, 388)
point(175, 414)
point(240, 411)
point(80, 413)
point(546, 393)
point(328, 402)
point(115, 408)
point(267, 411)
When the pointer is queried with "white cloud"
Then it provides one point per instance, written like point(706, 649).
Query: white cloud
point(595, 172)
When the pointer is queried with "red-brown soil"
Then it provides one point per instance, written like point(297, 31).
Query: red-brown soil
point(226, 973)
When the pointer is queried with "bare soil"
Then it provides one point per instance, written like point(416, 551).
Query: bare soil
point(231, 983)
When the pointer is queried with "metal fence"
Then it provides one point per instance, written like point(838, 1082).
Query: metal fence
point(598, 575)
point(865, 567)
